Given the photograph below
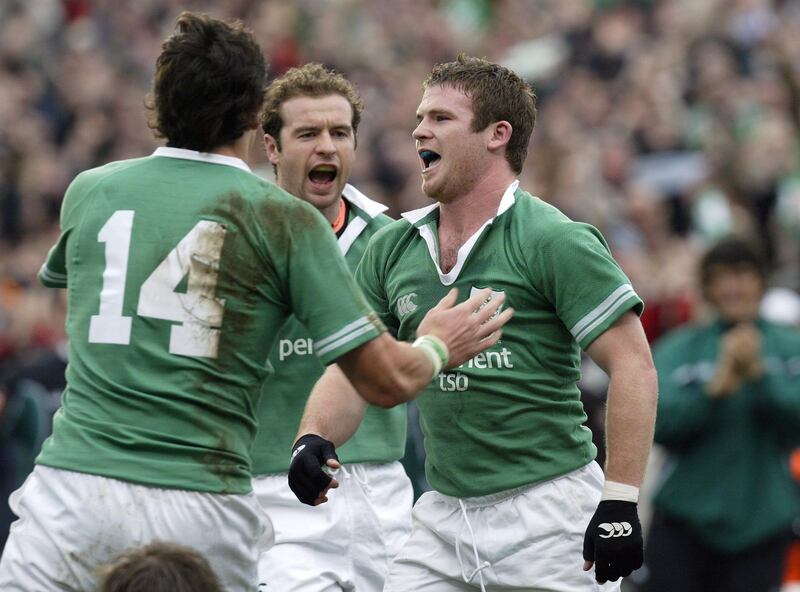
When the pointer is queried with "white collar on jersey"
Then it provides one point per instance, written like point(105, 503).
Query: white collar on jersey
point(426, 232)
point(358, 199)
point(414, 216)
point(357, 225)
point(211, 157)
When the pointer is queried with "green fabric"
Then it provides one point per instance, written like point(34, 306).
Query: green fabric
point(510, 416)
point(727, 476)
point(381, 436)
point(145, 410)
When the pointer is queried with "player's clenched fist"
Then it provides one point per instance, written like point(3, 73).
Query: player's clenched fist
point(613, 541)
point(306, 478)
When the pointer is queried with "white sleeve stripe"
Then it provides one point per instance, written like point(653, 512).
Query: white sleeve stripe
point(357, 324)
point(338, 343)
point(605, 315)
point(52, 276)
point(601, 312)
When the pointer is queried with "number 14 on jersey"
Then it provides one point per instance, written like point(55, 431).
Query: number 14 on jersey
point(197, 312)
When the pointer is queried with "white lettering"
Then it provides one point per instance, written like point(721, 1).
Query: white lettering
point(300, 347)
point(453, 381)
point(491, 360)
point(285, 349)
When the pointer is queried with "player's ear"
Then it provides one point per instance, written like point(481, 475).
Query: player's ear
point(500, 134)
point(273, 149)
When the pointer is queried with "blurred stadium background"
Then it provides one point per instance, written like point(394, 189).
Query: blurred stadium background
point(665, 123)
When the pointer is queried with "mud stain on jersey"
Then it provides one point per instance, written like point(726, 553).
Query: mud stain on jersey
point(240, 271)
point(221, 462)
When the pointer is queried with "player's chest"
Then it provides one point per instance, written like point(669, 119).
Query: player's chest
point(415, 284)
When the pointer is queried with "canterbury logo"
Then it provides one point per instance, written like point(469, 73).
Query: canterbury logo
point(406, 304)
point(615, 529)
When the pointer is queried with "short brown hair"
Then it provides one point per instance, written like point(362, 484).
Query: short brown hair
point(309, 80)
point(159, 567)
point(497, 94)
point(208, 85)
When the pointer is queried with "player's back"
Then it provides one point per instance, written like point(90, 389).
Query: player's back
point(177, 272)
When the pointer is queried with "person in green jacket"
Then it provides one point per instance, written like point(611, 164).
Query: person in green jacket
point(728, 417)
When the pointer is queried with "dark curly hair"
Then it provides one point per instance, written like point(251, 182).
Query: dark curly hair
point(209, 83)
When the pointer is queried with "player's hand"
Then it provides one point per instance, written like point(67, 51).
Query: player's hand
point(467, 328)
point(306, 478)
point(613, 541)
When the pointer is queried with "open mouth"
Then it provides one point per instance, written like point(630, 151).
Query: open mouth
point(429, 159)
point(323, 175)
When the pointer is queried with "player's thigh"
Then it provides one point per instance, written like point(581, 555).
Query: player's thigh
point(534, 539)
point(52, 544)
point(310, 553)
point(427, 559)
point(389, 496)
point(72, 523)
point(379, 498)
point(231, 531)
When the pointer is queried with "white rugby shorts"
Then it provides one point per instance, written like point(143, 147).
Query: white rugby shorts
point(344, 544)
point(72, 523)
point(528, 539)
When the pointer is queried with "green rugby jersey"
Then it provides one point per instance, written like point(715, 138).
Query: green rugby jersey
point(180, 269)
point(382, 435)
point(512, 415)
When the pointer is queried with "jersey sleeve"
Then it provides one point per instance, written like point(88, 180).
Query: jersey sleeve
point(322, 292)
point(577, 274)
point(53, 273)
point(369, 276)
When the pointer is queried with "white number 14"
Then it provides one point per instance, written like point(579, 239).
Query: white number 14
point(198, 311)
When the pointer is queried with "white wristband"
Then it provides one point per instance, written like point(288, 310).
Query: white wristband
point(620, 492)
point(436, 351)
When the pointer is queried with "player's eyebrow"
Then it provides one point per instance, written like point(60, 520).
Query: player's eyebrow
point(315, 128)
point(433, 113)
point(306, 128)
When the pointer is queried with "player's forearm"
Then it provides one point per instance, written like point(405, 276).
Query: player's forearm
point(630, 420)
point(334, 409)
point(386, 372)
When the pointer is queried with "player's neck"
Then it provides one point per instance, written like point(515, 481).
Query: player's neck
point(465, 214)
point(239, 148)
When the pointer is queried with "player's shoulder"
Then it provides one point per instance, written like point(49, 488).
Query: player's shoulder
point(539, 221)
point(392, 232)
point(108, 171)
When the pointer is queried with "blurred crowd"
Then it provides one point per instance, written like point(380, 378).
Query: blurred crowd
point(665, 123)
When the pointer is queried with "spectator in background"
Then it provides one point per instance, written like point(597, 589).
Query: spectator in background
point(728, 416)
point(159, 567)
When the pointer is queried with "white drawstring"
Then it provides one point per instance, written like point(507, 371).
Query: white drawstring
point(479, 566)
point(354, 471)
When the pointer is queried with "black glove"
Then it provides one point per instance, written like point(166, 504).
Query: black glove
point(613, 540)
point(306, 478)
